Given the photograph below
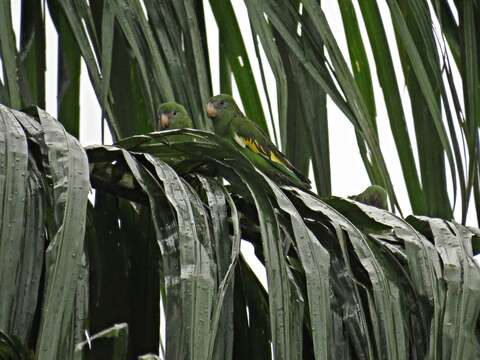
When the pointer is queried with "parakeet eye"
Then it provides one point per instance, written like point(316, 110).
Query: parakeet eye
point(174, 113)
point(222, 103)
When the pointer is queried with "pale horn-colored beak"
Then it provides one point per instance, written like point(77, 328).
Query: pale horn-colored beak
point(211, 110)
point(164, 121)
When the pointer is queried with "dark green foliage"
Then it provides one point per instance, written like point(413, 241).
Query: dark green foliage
point(344, 279)
point(83, 280)
point(44, 275)
point(11, 348)
point(340, 257)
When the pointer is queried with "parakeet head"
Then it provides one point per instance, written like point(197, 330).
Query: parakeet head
point(171, 115)
point(222, 106)
point(373, 195)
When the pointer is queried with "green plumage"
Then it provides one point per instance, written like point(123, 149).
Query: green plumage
point(373, 195)
point(230, 123)
point(171, 115)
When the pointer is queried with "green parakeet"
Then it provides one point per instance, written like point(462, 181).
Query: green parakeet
point(232, 125)
point(171, 115)
point(373, 195)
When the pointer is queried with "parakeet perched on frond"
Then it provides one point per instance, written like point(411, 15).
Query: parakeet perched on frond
point(374, 195)
point(171, 115)
point(231, 124)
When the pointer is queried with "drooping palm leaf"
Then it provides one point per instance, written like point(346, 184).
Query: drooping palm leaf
point(396, 270)
point(49, 179)
point(343, 278)
point(22, 239)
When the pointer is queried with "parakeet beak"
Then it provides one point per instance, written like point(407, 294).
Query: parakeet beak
point(164, 121)
point(211, 110)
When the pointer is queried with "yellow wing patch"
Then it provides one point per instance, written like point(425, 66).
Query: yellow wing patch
point(275, 158)
point(256, 148)
point(248, 143)
point(252, 145)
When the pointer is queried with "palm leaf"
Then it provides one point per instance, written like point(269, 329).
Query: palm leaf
point(8, 52)
point(21, 241)
point(388, 83)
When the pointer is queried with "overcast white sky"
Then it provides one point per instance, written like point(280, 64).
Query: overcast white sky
point(347, 170)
